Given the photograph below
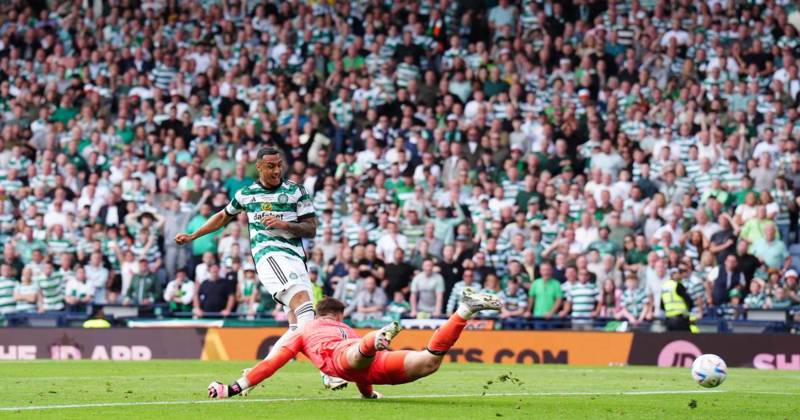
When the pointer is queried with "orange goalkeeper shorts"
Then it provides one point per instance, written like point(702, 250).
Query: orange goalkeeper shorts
point(387, 368)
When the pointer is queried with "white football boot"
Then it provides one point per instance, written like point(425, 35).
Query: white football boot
point(477, 302)
point(333, 383)
point(386, 334)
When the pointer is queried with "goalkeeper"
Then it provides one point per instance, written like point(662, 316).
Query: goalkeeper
point(336, 350)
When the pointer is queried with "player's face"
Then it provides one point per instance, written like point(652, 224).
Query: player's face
point(270, 169)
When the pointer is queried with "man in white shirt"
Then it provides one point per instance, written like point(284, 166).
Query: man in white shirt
point(472, 107)
point(427, 163)
point(370, 154)
point(180, 292)
point(56, 215)
point(201, 59)
point(655, 275)
point(666, 141)
point(608, 160)
point(766, 145)
point(450, 165)
point(78, 291)
point(234, 236)
point(704, 225)
point(97, 277)
point(680, 36)
point(670, 227)
point(390, 241)
point(587, 232)
point(502, 14)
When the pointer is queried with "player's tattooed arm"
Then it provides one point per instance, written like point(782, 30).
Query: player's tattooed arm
point(304, 227)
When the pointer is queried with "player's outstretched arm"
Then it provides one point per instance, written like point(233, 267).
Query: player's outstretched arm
point(217, 221)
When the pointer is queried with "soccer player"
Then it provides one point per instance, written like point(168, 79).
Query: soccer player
point(279, 213)
point(336, 350)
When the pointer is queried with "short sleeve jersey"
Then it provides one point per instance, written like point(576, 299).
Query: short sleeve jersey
point(288, 202)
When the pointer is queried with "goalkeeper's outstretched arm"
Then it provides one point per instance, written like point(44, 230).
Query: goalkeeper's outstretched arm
point(252, 377)
point(267, 367)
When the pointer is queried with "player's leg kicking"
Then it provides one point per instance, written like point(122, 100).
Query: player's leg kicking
point(419, 364)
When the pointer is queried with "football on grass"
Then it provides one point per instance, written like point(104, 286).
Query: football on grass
point(709, 370)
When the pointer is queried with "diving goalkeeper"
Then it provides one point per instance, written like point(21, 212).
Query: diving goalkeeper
point(336, 350)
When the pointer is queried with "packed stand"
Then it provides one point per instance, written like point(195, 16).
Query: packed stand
point(567, 156)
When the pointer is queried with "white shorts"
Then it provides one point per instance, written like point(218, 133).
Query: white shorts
point(283, 277)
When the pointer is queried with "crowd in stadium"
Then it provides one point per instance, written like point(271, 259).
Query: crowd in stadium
point(569, 156)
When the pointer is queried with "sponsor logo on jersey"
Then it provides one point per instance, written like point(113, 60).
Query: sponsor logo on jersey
point(266, 206)
point(262, 214)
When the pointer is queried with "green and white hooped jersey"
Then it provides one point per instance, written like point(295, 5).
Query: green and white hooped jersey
point(287, 202)
point(26, 289)
point(7, 303)
point(52, 288)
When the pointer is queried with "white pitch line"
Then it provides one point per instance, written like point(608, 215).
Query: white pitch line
point(622, 370)
point(768, 392)
point(96, 377)
point(279, 400)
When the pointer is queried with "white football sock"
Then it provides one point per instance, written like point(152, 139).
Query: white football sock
point(464, 311)
point(243, 384)
point(304, 313)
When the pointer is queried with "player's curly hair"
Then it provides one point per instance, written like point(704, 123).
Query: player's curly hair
point(330, 306)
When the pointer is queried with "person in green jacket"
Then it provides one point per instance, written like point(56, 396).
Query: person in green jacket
point(545, 295)
point(603, 245)
point(206, 243)
point(142, 290)
point(444, 226)
point(238, 181)
point(247, 293)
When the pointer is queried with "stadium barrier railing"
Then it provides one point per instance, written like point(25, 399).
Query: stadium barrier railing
point(714, 320)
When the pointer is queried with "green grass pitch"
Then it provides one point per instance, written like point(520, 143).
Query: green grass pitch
point(177, 390)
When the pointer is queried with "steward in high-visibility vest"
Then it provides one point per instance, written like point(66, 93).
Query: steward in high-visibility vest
point(676, 303)
point(97, 319)
point(96, 323)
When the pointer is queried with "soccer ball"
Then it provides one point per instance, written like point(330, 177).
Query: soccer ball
point(709, 370)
